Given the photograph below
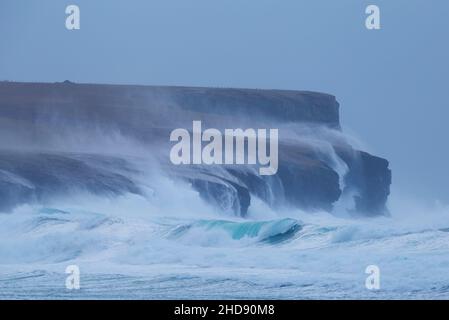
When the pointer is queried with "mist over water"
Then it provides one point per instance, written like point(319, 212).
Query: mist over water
point(85, 176)
point(142, 233)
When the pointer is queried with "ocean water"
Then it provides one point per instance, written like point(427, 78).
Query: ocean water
point(136, 228)
point(174, 246)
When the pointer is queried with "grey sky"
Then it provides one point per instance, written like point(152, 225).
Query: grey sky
point(392, 84)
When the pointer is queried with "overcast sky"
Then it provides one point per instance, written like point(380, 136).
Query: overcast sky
point(392, 83)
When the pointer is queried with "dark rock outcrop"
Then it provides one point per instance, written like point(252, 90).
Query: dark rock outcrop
point(30, 177)
point(52, 142)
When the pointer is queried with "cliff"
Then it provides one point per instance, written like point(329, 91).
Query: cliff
point(62, 137)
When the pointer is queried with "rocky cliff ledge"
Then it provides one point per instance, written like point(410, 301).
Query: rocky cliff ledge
point(54, 139)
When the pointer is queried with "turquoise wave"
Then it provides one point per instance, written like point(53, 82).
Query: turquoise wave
point(271, 232)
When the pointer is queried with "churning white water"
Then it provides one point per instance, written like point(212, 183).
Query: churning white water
point(170, 244)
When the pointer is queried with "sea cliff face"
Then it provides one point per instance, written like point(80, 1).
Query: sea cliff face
point(63, 138)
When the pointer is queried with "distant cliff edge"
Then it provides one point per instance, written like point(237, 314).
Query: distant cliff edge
point(57, 139)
